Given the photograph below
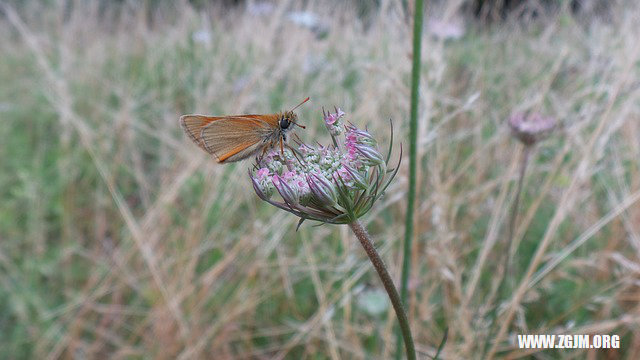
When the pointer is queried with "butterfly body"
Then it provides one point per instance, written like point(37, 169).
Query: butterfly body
point(237, 137)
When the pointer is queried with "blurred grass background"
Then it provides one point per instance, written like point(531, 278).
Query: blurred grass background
point(120, 238)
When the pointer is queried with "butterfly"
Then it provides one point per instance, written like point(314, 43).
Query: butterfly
point(237, 137)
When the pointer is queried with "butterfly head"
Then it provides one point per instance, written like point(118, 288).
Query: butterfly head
point(287, 119)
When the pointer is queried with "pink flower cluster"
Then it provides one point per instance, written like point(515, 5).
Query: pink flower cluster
point(322, 182)
point(332, 121)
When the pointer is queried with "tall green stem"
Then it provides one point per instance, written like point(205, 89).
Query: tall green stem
point(413, 149)
point(378, 264)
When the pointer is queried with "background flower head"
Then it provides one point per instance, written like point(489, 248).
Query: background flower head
point(532, 127)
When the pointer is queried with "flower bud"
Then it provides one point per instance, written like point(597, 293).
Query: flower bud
point(258, 188)
point(332, 121)
point(323, 190)
point(358, 179)
point(370, 155)
point(289, 195)
point(361, 136)
point(262, 174)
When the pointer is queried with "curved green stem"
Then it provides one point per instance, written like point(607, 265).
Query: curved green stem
point(378, 264)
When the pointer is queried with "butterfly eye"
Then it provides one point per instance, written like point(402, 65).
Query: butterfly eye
point(284, 123)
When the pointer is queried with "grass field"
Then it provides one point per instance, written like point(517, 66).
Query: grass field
point(120, 238)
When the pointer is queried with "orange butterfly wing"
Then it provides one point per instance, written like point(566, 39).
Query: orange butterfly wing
point(230, 138)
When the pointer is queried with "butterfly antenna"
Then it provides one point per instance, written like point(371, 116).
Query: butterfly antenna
point(303, 101)
point(297, 106)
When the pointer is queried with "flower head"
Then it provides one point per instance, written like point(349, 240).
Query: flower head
point(530, 128)
point(332, 121)
point(332, 184)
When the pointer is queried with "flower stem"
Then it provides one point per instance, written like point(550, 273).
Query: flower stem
point(507, 271)
point(514, 211)
point(413, 153)
point(365, 240)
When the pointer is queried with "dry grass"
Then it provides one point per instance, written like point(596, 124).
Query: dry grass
point(118, 237)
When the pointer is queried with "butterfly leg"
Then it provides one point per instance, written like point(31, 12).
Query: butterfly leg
point(260, 156)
